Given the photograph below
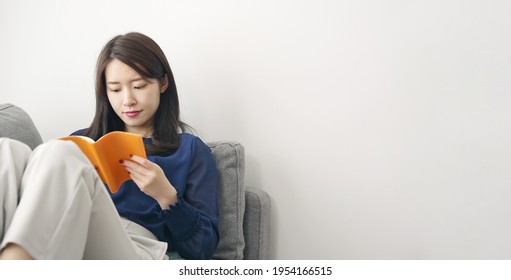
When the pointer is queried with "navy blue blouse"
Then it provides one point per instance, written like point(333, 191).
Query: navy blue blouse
point(190, 227)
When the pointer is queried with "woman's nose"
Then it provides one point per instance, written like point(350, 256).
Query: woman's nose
point(128, 99)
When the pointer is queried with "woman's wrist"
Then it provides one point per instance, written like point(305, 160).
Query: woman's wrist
point(169, 199)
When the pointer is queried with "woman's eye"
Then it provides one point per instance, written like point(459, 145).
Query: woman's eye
point(114, 89)
point(140, 86)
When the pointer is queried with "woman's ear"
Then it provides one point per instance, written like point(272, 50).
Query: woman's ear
point(164, 84)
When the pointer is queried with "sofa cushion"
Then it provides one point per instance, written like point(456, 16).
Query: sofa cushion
point(230, 161)
point(15, 123)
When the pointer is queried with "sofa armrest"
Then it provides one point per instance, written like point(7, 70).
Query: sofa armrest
point(256, 224)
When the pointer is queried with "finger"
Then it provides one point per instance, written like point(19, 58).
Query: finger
point(137, 179)
point(134, 166)
point(140, 160)
point(129, 163)
point(135, 170)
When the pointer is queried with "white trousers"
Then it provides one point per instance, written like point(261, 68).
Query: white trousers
point(54, 205)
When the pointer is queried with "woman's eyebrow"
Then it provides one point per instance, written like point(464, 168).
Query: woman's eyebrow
point(131, 81)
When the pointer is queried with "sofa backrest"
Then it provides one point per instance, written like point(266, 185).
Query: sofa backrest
point(230, 161)
point(15, 123)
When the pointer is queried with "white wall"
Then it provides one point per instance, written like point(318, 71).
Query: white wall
point(381, 129)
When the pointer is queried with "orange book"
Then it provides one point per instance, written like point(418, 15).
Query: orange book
point(106, 154)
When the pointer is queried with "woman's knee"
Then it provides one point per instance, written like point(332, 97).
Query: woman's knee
point(59, 164)
point(59, 152)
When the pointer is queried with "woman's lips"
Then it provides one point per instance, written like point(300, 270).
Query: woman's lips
point(132, 114)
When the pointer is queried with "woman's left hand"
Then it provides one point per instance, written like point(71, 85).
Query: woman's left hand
point(151, 180)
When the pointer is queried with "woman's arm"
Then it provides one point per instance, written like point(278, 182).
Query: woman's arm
point(191, 217)
point(193, 221)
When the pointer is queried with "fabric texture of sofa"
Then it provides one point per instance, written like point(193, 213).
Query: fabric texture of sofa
point(15, 123)
point(244, 211)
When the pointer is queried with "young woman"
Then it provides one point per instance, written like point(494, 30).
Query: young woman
point(170, 205)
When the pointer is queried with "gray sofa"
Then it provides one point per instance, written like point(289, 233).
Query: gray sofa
point(245, 211)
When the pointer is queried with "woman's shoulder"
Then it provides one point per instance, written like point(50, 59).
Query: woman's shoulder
point(188, 139)
point(190, 146)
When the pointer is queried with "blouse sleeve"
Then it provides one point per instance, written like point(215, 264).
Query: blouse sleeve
point(193, 221)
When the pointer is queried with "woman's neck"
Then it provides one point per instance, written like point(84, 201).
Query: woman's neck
point(146, 133)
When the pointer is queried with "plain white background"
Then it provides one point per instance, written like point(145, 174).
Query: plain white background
point(381, 129)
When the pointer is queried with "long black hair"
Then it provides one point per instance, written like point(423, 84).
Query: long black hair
point(145, 56)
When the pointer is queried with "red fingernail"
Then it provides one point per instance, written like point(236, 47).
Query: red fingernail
point(121, 161)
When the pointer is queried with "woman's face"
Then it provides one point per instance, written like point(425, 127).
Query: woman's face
point(134, 99)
